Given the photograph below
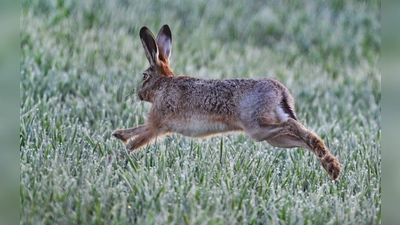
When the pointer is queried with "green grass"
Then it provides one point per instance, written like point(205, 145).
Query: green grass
point(81, 63)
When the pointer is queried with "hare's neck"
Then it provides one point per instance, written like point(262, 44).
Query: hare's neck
point(157, 88)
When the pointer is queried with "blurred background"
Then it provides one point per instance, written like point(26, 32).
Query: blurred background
point(9, 113)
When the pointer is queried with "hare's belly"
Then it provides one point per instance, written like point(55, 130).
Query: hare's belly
point(199, 128)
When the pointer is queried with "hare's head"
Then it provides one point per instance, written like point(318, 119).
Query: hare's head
point(158, 51)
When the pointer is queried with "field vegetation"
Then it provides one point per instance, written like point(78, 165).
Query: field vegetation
point(82, 63)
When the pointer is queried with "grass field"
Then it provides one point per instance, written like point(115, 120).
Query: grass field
point(82, 61)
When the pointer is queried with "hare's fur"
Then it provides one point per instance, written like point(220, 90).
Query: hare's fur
point(263, 108)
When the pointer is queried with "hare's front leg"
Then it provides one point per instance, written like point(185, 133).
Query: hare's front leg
point(141, 140)
point(143, 133)
point(125, 134)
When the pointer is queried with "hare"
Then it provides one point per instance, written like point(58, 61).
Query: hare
point(262, 108)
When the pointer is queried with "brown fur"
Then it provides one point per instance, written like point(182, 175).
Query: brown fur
point(165, 70)
point(263, 108)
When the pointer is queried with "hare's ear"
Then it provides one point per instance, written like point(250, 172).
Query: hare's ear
point(164, 42)
point(149, 45)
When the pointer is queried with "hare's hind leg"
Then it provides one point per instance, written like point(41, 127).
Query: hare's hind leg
point(329, 162)
point(125, 134)
point(287, 141)
point(293, 134)
point(298, 133)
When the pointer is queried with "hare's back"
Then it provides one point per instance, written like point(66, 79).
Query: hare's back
point(221, 97)
point(227, 98)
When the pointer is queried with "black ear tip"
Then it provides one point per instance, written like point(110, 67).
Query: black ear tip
point(166, 30)
point(143, 31)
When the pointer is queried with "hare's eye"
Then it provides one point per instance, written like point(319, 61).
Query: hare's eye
point(145, 76)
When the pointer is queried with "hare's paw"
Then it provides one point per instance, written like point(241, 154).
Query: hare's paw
point(331, 165)
point(121, 135)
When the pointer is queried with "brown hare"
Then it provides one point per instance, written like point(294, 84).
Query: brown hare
point(262, 108)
